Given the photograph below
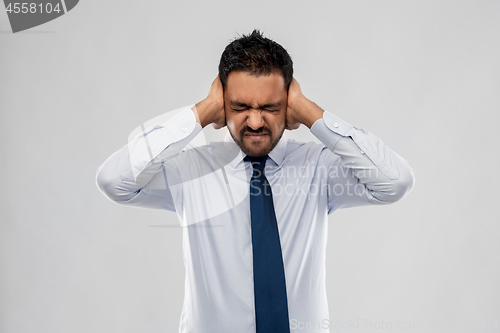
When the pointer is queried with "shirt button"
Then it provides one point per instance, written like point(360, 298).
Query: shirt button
point(184, 129)
point(362, 152)
point(335, 125)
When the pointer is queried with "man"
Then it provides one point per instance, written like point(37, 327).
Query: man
point(254, 206)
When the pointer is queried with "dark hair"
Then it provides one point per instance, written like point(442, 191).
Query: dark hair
point(257, 55)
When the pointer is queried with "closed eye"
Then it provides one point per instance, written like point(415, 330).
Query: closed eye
point(269, 107)
point(267, 110)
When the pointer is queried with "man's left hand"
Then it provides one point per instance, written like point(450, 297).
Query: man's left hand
point(300, 110)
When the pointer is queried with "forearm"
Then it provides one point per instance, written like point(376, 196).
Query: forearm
point(204, 112)
point(129, 170)
point(385, 175)
point(309, 113)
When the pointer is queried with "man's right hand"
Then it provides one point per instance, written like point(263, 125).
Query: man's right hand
point(211, 109)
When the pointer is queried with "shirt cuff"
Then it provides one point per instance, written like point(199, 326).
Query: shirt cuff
point(330, 129)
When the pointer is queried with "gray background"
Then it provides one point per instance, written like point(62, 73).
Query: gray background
point(421, 75)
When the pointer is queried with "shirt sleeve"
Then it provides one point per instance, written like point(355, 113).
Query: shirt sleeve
point(361, 170)
point(135, 175)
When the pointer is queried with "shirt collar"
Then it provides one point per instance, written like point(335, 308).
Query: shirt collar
point(277, 154)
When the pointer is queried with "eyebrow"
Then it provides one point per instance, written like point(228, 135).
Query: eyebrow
point(265, 106)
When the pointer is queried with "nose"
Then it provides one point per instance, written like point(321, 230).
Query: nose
point(255, 119)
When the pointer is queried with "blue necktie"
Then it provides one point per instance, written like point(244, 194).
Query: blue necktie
point(271, 307)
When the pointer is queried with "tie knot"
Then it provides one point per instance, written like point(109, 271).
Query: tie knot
point(257, 162)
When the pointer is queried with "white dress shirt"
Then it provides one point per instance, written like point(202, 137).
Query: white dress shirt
point(208, 187)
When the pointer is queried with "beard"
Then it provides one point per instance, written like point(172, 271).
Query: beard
point(259, 147)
